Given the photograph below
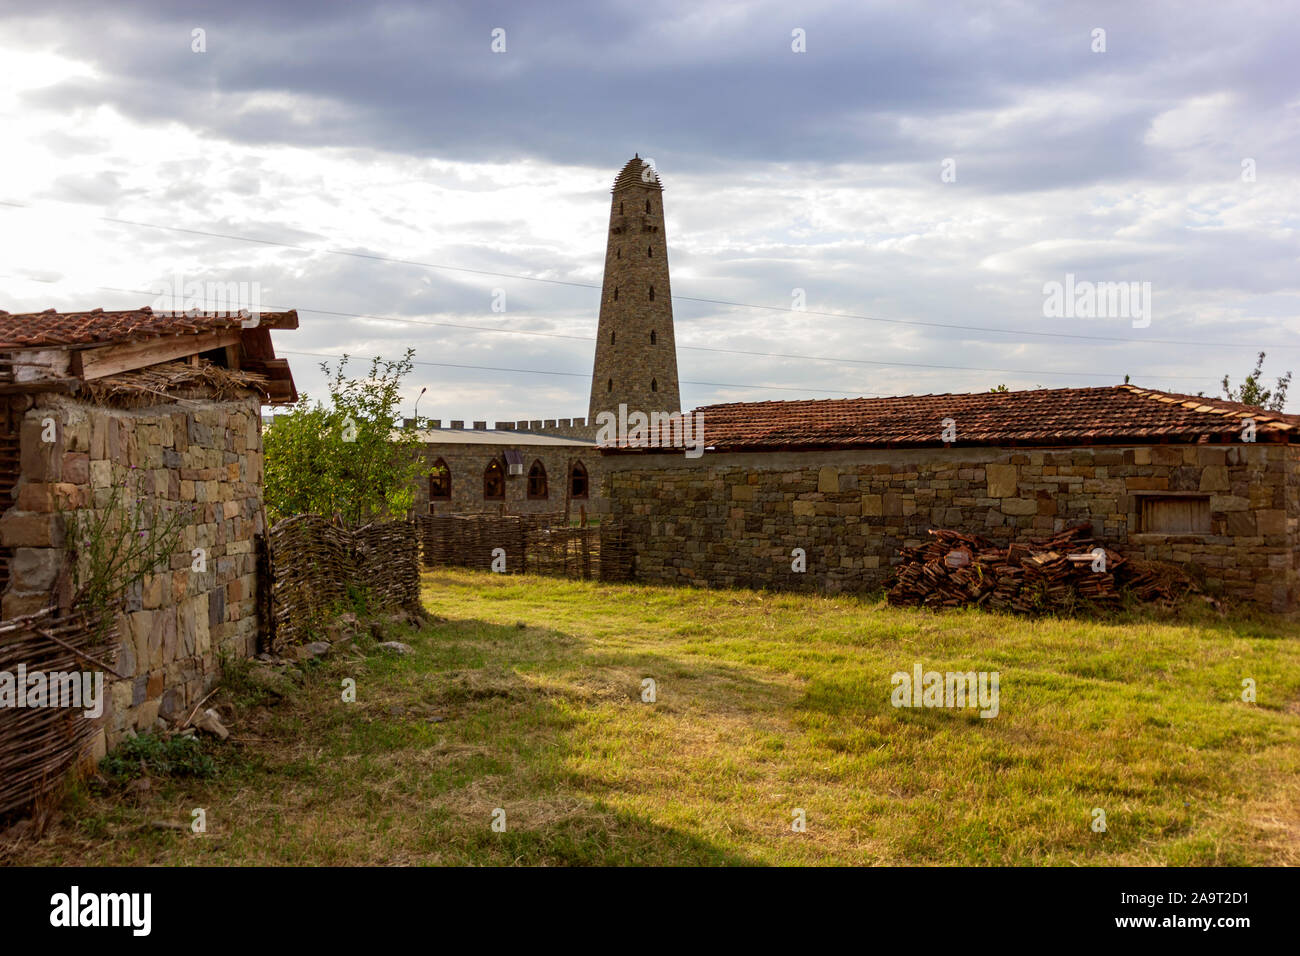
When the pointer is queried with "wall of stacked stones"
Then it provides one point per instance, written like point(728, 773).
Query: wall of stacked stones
point(177, 622)
point(467, 463)
point(734, 519)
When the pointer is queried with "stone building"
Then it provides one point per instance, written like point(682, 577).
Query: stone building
point(519, 471)
point(1205, 483)
point(90, 399)
point(553, 465)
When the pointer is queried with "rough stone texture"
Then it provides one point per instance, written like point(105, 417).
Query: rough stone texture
point(636, 262)
point(177, 623)
point(733, 519)
point(467, 464)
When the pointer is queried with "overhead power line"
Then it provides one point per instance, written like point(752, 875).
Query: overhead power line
point(839, 360)
point(537, 371)
point(682, 298)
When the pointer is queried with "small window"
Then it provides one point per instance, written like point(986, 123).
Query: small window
point(494, 481)
point(620, 209)
point(652, 336)
point(609, 386)
point(611, 337)
point(654, 384)
point(1188, 514)
point(615, 293)
point(650, 252)
point(647, 205)
point(440, 482)
point(652, 293)
point(578, 481)
point(537, 480)
point(618, 253)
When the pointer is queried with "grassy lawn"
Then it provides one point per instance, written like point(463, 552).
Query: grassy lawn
point(527, 697)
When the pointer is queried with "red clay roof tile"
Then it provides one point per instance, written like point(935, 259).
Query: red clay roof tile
point(1064, 416)
point(52, 329)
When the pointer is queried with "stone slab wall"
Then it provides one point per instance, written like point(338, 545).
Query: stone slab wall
point(177, 623)
point(468, 462)
point(734, 519)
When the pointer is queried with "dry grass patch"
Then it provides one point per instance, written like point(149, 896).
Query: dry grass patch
point(527, 696)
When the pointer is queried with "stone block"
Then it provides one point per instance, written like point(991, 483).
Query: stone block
point(1271, 521)
point(1019, 506)
point(1001, 480)
point(828, 479)
point(873, 505)
point(35, 569)
point(1215, 478)
point(1241, 524)
point(24, 530)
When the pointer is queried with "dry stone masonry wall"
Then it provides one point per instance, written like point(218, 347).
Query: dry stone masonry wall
point(734, 519)
point(177, 623)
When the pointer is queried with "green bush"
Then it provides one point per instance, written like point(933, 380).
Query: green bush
point(159, 757)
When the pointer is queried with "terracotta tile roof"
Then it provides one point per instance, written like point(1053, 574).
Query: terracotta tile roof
point(1063, 416)
point(51, 329)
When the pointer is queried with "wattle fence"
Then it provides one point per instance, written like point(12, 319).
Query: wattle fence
point(531, 544)
point(41, 741)
point(317, 568)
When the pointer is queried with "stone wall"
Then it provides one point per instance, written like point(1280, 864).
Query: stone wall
point(177, 622)
point(467, 463)
point(734, 519)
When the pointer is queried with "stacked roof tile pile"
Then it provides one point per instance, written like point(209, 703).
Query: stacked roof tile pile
point(1030, 577)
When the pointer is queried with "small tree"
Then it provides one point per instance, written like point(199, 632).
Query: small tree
point(1252, 391)
point(354, 458)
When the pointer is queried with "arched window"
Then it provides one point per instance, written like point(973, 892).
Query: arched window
point(609, 387)
point(578, 481)
point(611, 337)
point(494, 481)
point(615, 293)
point(618, 253)
point(647, 205)
point(652, 294)
point(537, 480)
point(650, 251)
point(620, 209)
point(652, 336)
point(440, 482)
point(654, 384)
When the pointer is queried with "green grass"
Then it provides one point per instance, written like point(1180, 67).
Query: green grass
point(526, 696)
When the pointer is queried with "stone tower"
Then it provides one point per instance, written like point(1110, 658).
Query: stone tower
point(636, 353)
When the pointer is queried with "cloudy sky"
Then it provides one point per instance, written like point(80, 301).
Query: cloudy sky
point(920, 170)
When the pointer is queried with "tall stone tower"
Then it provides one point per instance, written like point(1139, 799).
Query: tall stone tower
point(636, 352)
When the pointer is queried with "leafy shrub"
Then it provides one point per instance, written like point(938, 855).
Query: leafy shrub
point(159, 757)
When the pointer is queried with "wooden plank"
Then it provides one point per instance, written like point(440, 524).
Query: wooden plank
point(94, 363)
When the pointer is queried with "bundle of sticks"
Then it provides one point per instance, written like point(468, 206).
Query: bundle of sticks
point(1033, 576)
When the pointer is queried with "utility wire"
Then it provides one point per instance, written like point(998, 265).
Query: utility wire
point(699, 348)
point(683, 298)
point(537, 371)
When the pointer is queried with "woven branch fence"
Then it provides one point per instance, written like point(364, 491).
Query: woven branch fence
point(316, 565)
point(39, 745)
point(533, 544)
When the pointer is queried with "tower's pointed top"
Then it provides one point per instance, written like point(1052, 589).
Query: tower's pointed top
point(637, 172)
